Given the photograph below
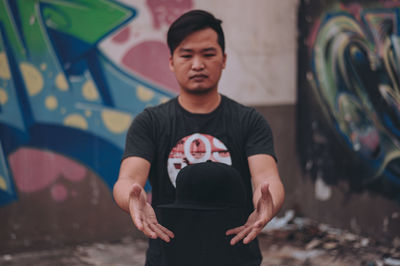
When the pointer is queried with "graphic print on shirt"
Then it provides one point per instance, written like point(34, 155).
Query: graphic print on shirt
point(196, 148)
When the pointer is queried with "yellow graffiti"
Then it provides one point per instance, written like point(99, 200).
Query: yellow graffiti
point(51, 102)
point(3, 184)
point(164, 99)
point(3, 97)
point(116, 122)
point(4, 69)
point(76, 120)
point(144, 94)
point(33, 79)
point(61, 82)
point(89, 91)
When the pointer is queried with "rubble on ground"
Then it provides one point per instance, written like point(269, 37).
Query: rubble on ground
point(317, 239)
point(288, 240)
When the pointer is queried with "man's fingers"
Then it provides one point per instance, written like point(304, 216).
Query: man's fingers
point(234, 231)
point(166, 231)
point(253, 233)
point(160, 232)
point(138, 222)
point(153, 230)
point(240, 235)
point(144, 218)
point(148, 231)
point(136, 216)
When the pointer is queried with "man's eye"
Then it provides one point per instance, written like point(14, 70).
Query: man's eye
point(209, 55)
point(186, 56)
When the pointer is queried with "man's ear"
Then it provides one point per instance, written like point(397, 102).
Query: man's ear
point(224, 61)
point(171, 64)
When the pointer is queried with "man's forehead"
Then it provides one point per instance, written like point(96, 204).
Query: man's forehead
point(203, 35)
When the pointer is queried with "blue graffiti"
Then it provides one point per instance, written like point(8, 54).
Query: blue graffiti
point(59, 91)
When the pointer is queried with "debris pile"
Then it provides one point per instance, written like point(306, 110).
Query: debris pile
point(316, 239)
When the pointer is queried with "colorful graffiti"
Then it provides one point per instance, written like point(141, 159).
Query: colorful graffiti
point(353, 75)
point(65, 100)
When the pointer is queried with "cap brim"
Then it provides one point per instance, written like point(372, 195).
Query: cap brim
point(192, 207)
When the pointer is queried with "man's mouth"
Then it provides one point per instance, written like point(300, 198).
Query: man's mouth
point(198, 77)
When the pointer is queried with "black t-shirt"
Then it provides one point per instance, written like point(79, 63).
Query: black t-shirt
point(170, 137)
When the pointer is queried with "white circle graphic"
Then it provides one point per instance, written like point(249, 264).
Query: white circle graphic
point(196, 148)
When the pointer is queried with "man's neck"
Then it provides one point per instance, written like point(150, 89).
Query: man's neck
point(201, 103)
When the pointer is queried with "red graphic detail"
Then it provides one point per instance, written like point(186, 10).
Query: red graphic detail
point(196, 148)
point(150, 60)
point(35, 170)
point(165, 12)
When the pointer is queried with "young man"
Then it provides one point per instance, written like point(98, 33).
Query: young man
point(198, 125)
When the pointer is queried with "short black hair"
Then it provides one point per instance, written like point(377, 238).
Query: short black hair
point(190, 22)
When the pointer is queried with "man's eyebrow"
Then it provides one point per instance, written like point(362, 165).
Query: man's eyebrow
point(212, 49)
point(185, 50)
point(188, 50)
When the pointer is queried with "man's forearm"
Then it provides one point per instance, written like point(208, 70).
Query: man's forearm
point(134, 170)
point(121, 193)
point(277, 194)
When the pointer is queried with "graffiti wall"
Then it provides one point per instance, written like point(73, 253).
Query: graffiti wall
point(73, 75)
point(349, 97)
point(65, 103)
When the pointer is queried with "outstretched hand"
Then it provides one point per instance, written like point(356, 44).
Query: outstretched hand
point(257, 219)
point(144, 217)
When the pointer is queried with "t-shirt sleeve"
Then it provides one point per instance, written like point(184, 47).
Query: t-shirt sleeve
point(139, 139)
point(259, 136)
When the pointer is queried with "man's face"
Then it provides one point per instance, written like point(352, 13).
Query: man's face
point(198, 62)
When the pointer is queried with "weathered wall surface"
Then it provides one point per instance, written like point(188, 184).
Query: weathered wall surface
point(348, 120)
point(74, 74)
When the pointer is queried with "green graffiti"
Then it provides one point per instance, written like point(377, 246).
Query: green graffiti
point(87, 20)
point(10, 30)
point(355, 79)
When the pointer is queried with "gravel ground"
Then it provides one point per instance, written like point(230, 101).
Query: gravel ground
point(294, 242)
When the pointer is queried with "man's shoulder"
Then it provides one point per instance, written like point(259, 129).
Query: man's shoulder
point(233, 104)
point(161, 108)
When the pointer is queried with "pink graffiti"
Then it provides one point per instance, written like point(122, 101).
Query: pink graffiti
point(165, 12)
point(313, 35)
point(35, 170)
point(59, 192)
point(122, 36)
point(150, 60)
point(353, 8)
point(390, 3)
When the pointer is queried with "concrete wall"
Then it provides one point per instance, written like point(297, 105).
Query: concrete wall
point(68, 92)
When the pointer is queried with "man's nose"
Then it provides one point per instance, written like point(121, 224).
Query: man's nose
point(197, 63)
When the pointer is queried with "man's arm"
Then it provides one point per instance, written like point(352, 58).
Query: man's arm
point(130, 196)
point(263, 171)
point(268, 197)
